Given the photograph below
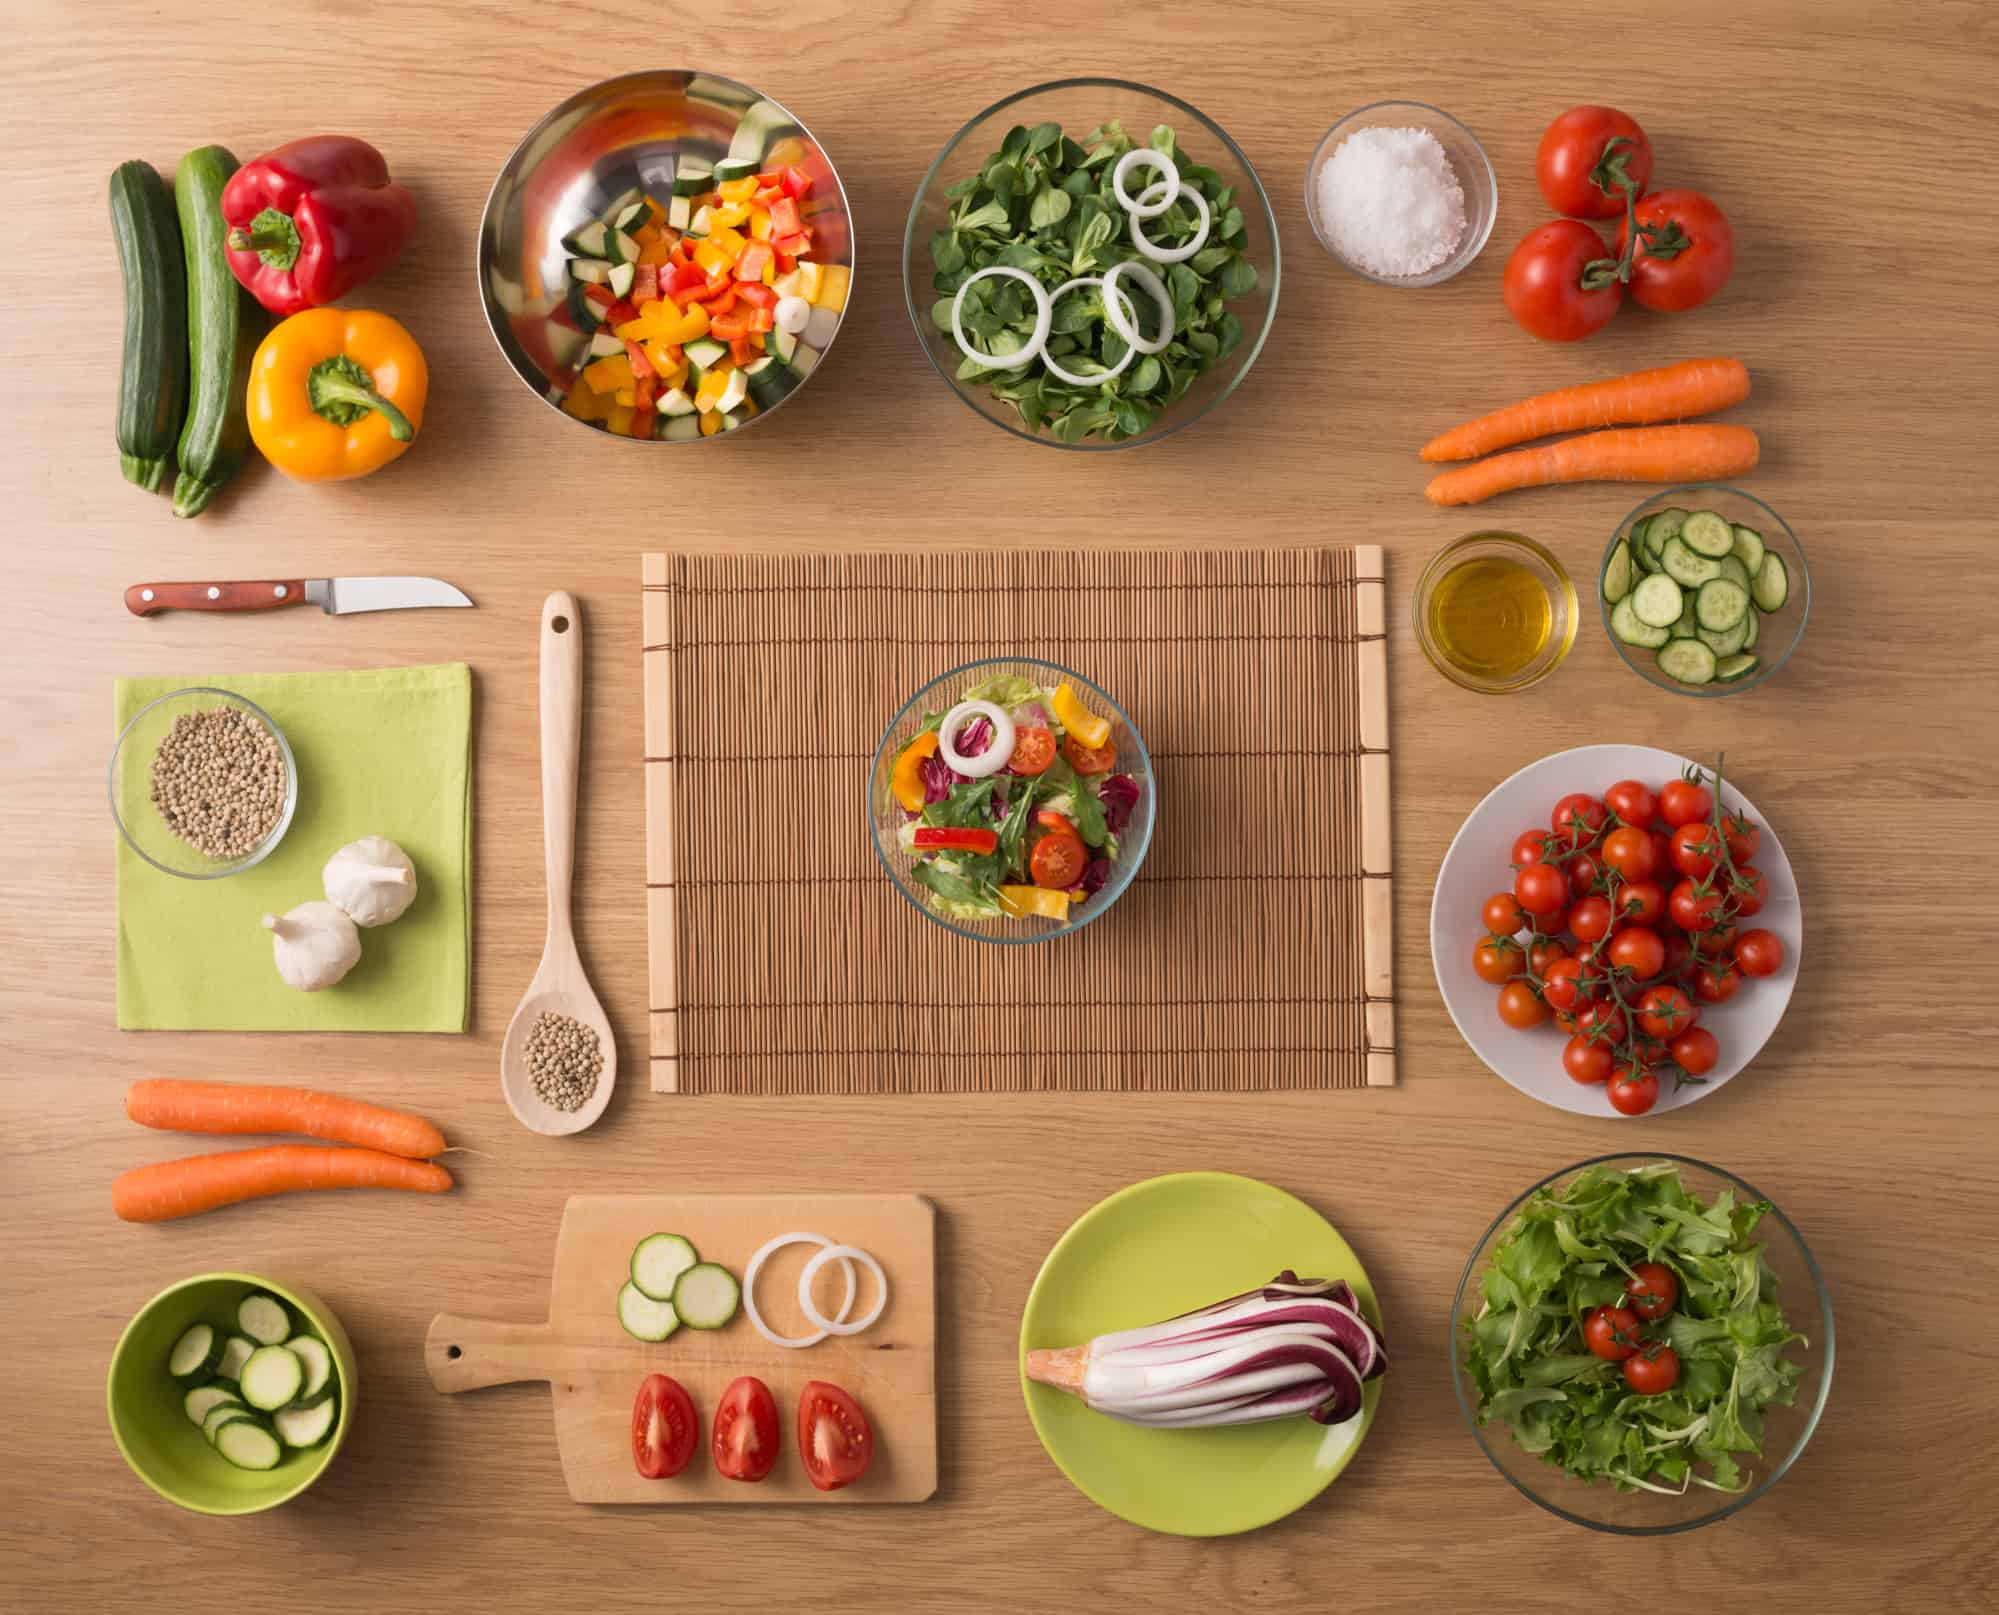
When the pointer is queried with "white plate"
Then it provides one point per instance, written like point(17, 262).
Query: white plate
point(1479, 864)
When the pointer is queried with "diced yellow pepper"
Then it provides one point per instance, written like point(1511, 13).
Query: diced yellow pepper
point(709, 393)
point(905, 779)
point(712, 259)
point(711, 423)
point(759, 224)
point(737, 190)
point(730, 241)
point(580, 401)
point(654, 317)
point(786, 153)
point(769, 276)
point(1039, 901)
point(620, 420)
point(690, 327)
point(659, 355)
point(811, 277)
point(787, 284)
point(610, 373)
point(729, 213)
point(655, 252)
point(832, 291)
point(628, 396)
point(655, 214)
point(1078, 719)
point(676, 377)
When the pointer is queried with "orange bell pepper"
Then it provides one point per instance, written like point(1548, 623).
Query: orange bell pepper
point(335, 393)
point(905, 779)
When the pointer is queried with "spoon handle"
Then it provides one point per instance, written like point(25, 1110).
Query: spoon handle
point(561, 735)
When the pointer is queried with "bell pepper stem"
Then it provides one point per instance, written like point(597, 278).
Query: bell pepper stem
point(342, 392)
point(272, 236)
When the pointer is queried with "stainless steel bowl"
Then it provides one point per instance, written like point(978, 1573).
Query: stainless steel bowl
point(600, 142)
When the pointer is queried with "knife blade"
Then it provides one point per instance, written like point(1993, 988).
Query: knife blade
point(337, 597)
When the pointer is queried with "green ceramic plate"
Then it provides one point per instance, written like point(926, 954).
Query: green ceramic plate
point(1152, 1251)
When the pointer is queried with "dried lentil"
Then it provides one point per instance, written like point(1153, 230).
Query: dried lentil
point(564, 1059)
point(219, 781)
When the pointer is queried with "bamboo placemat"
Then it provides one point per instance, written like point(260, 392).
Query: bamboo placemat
point(1253, 950)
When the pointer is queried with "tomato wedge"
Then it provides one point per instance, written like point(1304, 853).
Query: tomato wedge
point(835, 1441)
point(665, 1429)
point(744, 1441)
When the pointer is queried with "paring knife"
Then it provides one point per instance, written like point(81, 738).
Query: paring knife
point(334, 596)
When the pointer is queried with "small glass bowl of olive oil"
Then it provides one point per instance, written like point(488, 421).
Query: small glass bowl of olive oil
point(1495, 612)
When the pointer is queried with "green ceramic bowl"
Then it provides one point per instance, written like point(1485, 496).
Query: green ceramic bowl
point(167, 1452)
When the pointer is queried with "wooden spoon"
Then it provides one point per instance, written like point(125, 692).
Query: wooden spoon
point(559, 986)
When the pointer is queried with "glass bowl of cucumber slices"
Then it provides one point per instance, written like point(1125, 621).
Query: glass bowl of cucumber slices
point(666, 256)
point(1705, 590)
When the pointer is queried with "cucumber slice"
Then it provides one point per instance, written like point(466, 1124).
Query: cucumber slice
point(1733, 669)
point(1617, 572)
point(1755, 630)
point(1773, 583)
point(306, 1426)
point(1688, 661)
point(643, 1317)
point(223, 1413)
point(247, 1444)
point(1721, 604)
point(1706, 533)
point(1749, 548)
point(235, 1353)
point(1686, 627)
point(195, 1355)
point(590, 240)
point(271, 1378)
point(264, 1319)
point(1725, 642)
point(621, 277)
point(205, 1399)
point(658, 1260)
point(1683, 566)
point(1736, 573)
point(691, 177)
point(1663, 525)
point(1625, 624)
point(1657, 601)
point(705, 1296)
point(317, 1361)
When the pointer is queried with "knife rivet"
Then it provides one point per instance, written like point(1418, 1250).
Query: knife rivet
point(279, 591)
point(145, 594)
point(214, 593)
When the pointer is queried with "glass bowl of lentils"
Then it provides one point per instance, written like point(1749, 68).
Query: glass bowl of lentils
point(203, 783)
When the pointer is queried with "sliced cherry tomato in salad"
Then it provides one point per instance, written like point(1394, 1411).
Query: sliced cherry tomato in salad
point(1059, 823)
point(745, 1441)
point(1033, 750)
point(835, 1440)
point(1090, 759)
point(665, 1429)
point(1057, 860)
point(1651, 1290)
point(1655, 1369)
point(1611, 1332)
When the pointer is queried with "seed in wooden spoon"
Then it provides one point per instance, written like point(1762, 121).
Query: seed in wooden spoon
point(564, 1059)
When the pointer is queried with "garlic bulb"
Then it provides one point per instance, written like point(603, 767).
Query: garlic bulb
point(315, 945)
point(371, 881)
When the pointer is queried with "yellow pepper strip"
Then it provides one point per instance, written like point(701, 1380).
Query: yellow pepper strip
point(336, 392)
point(610, 373)
point(759, 224)
point(709, 393)
point(832, 291)
point(905, 780)
point(1037, 901)
point(1078, 719)
point(628, 396)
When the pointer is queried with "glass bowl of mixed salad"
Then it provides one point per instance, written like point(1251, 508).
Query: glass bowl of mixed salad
point(1642, 1344)
point(1091, 264)
point(1011, 800)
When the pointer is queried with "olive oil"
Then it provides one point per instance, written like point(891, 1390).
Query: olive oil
point(1490, 617)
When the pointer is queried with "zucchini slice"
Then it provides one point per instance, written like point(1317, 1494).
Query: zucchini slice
point(224, 1413)
point(643, 1317)
point(235, 1353)
point(306, 1426)
point(658, 1260)
point(1721, 604)
point(248, 1444)
point(205, 1399)
point(1688, 661)
point(706, 1295)
point(1617, 572)
point(1773, 583)
point(271, 1378)
point(264, 1319)
point(195, 1355)
point(590, 240)
point(1657, 601)
point(1705, 533)
point(317, 1361)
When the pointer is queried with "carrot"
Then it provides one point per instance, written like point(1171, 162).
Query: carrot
point(170, 1189)
point(1695, 387)
point(1636, 454)
point(232, 1107)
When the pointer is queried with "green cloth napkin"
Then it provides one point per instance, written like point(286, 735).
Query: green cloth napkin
point(380, 752)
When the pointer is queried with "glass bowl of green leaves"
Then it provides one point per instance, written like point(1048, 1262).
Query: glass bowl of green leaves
point(1642, 1344)
point(1091, 264)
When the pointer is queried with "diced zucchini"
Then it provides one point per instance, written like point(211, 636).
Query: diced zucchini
point(706, 1294)
point(306, 1426)
point(1688, 661)
point(737, 167)
point(734, 391)
point(1773, 583)
point(1706, 533)
point(633, 218)
point(624, 250)
point(592, 271)
point(691, 177)
point(1749, 547)
point(782, 343)
point(621, 278)
point(820, 326)
point(248, 1445)
point(770, 380)
point(565, 343)
point(658, 1260)
point(589, 240)
point(581, 310)
point(620, 202)
point(1683, 566)
point(804, 358)
point(271, 1378)
point(705, 352)
point(1657, 601)
point(1733, 669)
point(678, 212)
point(1617, 572)
point(734, 419)
point(196, 1354)
point(752, 136)
point(235, 1353)
point(205, 1399)
point(606, 344)
point(643, 1317)
point(1625, 624)
point(701, 224)
point(681, 428)
point(673, 403)
point(317, 1361)
point(1721, 604)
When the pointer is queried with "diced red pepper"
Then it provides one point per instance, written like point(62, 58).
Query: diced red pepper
point(721, 305)
point(955, 838)
point(644, 390)
point(743, 350)
point(786, 263)
point(620, 313)
point(645, 284)
point(727, 327)
point(643, 421)
point(784, 219)
point(750, 266)
point(681, 279)
point(767, 194)
point(763, 319)
point(683, 251)
point(717, 285)
point(796, 183)
point(642, 369)
point(796, 245)
point(770, 177)
point(599, 298)
point(756, 294)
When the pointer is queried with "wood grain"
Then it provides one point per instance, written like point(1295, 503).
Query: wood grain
point(1846, 140)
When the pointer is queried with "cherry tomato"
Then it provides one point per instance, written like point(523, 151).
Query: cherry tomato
point(1638, 950)
point(1497, 959)
point(1586, 1061)
point(1743, 837)
point(1695, 1051)
point(1033, 749)
point(1519, 1008)
point(1746, 895)
point(1647, 1050)
point(1695, 849)
point(1651, 1290)
point(1715, 940)
point(1611, 1332)
point(1544, 283)
point(744, 1442)
point(1090, 759)
point(1643, 902)
point(1717, 981)
point(1666, 1011)
point(1540, 889)
point(1654, 1371)
point(1693, 909)
point(1629, 852)
point(1567, 166)
point(1049, 819)
point(1590, 919)
point(1057, 860)
point(1577, 819)
point(1602, 1022)
point(1532, 847)
point(1682, 801)
point(665, 1429)
point(1759, 953)
point(1544, 954)
point(1503, 915)
point(1559, 984)
point(1702, 263)
point(1679, 956)
point(1633, 1090)
point(1592, 981)
point(1583, 872)
point(1662, 851)
point(835, 1440)
point(1553, 924)
point(1632, 802)
point(1566, 1021)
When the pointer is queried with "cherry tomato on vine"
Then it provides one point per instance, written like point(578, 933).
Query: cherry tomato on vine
point(1695, 848)
point(1629, 852)
point(1611, 1332)
point(1651, 1290)
point(1679, 956)
point(1519, 1008)
point(1633, 1090)
point(1759, 953)
point(1632, 802)
point(1532, 847)
point(1642, 902)
point(1693, 909)
point(1575, 157)
point(1655, 1369)
point(1602, 1022)
point(1662, 851)
point(1666, 1011)
point(1566, 1021)
point(1544, 288)
point(1638, 950)
point(1583, 872)
point(1687, 254)
point(1747, 894)
point(1503, 915)
point(1715, 940)
point(1497, 960)
point(1717, 981)
point(1589, 919)
point(1742, 835)
point(1577, 818)
point(1543, 954)
point(1540, 889)
point(1594, 977)
point(1586, 1061)
point(1647, 1050)
point(1682, 801)
point(1695, 1051)
point(1560, 984)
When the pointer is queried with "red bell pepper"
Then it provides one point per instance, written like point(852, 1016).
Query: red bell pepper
point(645, 283)
point(796, 246)
point(756, 294)
point(784, 219)
point(763, 319)
point(621, 312)
point(643, 421)
point(768, 191)
point(644, 390)
point(743, 350)
point(951, 838)
point(786, 263)
point(727, 327)
point(600, 299)
point(721, 304)
point(750, 266)
point(796, 182)
point(312, 220)
point(642, 369)
point(717, 285)
point(681, 280)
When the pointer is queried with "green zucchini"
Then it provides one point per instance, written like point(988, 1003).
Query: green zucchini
point(152, 383)
point(224, 323)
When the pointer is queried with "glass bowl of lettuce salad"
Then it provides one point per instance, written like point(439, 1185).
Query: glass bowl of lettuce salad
point(1750, 1330)
point(1035, 754)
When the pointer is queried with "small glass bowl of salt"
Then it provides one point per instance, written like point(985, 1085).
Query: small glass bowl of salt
point(1401, 193)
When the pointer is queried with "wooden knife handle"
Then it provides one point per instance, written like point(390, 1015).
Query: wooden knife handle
point(468, 1354)
point(145, 599)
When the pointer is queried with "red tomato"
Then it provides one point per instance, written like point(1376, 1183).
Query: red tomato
point(1559, 984)
point(744, 1442)
point(1586, 1061)
point(1602, 1022)
point(1651, 1290)
point(1692, 909)
point(1540, 889)
point(1033, 750)
point(1566, 1021)
point(1641, 903)
point(1503, 916)
point(1632, 802)
point(1654, 1371)
point(1611, 1332)
point(1696, 234)
point(1715, 940)
point(1666, 1011)
point(1742, 835)
point(1662, 851)
point(665, 1430)
point(1629, 852)
point(1519, 1008)
point(1759, 953)
point(1057, 861)
point(1717, 981)
point(1679, 956)
point(1532, 847)
point(1590, 919)
point(1682, 801)
point(1746, 895)
point(1497, 959)
point(1544, 954)
point(1090, 759)
point(1577, 819)
point(835, 1440)
point(1695, 1051)
point(1647, 1050)
point(1695, 848)
point(1633, 1090)
point(1591, 983)
point(1638, 950)
point(1583, 872)
point(1543, 286)
point(1552, 924)
point(1578, 169)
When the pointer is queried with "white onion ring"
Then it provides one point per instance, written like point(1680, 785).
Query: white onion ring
point(1174, 255)
point(1146, 157)
point(757, 1261)
point(1128, 328)
point(1048, 359)
point(989, 761)
point(1043, 313)
point(848, 1254)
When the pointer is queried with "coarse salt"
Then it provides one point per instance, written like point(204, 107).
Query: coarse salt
point(1391, 203)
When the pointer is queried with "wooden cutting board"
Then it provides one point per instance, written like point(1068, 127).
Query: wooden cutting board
point(594, 1367)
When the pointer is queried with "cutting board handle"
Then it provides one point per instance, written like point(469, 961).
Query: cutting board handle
point(468, 1354)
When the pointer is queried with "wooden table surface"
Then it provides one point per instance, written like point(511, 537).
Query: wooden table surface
point(1844, 141)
